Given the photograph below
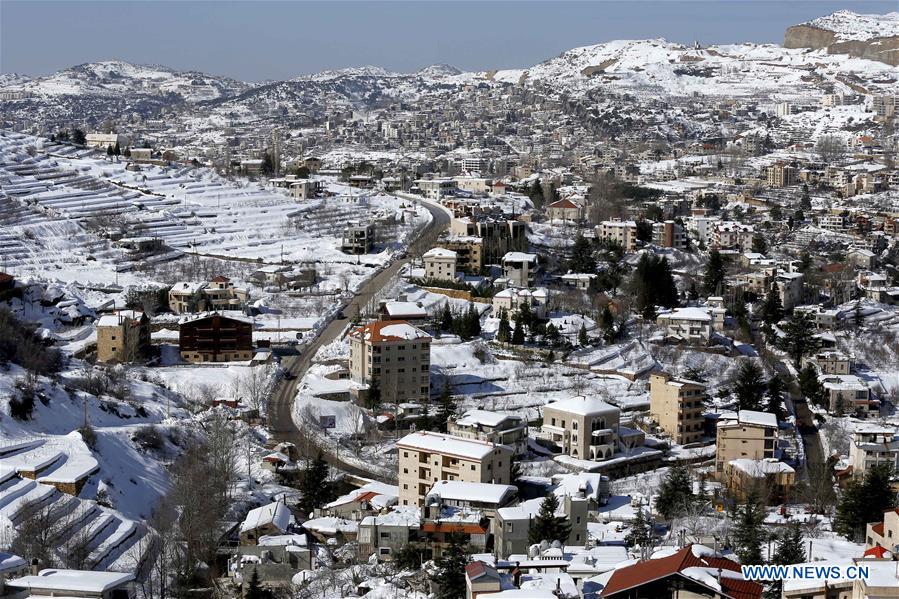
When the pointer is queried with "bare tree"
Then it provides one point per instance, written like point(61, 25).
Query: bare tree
point(830, 148)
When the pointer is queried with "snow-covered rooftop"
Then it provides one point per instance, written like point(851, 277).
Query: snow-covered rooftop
point(448, 444)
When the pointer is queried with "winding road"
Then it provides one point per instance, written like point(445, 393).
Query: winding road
point(280, 406)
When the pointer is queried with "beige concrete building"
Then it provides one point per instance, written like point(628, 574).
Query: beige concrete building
point(582, 427)
point(745, 434)
point(676, 405)
point(830, 362)
point(884, 533)
point(469, 257)
point(623, 232)
point(729, 235)
point(440, 264)
point(123, 337)
point(791, 288)
point(520, 268)
point(770, 476)
point(425, 458)
point(494, 427)
point(782, 175)
point(394, 356)
point(871, 445)
point(215, 295)
point(497, 236)
point(565, 209)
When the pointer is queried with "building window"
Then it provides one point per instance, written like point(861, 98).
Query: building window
point(384, 550)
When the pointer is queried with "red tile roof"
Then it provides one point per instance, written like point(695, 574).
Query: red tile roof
point(878, 552)
point(878, 528)
point(651, 570)
point(563, 203)
point(373, 332)
point(220, 279)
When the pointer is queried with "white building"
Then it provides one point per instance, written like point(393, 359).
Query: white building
point(520, 268)
point(512, 298)
point(440, 264)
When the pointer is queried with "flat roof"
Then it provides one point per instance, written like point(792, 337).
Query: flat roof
point(448, 444)
point(85, 581)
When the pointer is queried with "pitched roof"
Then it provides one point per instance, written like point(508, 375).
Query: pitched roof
point(477, 569)
point(691, 556)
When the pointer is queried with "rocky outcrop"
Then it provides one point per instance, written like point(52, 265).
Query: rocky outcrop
point(882, 49)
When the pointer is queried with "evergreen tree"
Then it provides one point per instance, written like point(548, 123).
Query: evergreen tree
point(607, 324)
point(547, 526)
point(641, 533)
point(748, 534)
point(582, 259)
point(675, 493)
point(373, 397)
point(78, 137)
point(315, 487)
point(446, 318)
point(800, 338)
point(811, 387)
point(864, 501)
point(749, 386)
point(776, 390)
point(127, 153)
point(109, 152)
point(714, 274)
point(255, 590)
point(858, 318)
point(536, 194)
point(446, 409)
point(652, 284)
point(789, 551)
point(116, 151)
point(450, 576)
point(504, 332)
point(552, 335)
point(759, 245)
point(772, 308)
point(268, 167)
point(518, 333)
point(582, 338)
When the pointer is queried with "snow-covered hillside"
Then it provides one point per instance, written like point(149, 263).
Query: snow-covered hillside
point(848, 25)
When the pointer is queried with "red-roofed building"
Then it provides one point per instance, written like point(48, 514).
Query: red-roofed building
point(394, 357)
point(565, 209)
point(438, 532)
point(693, 571)
point(884, 533)
point(481, 578)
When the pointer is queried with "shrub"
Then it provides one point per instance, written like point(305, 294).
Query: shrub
point(148, 437)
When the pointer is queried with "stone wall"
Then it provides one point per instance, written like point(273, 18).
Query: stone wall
point(882, 49)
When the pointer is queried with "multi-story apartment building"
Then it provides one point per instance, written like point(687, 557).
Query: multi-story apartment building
point(729, 235)
point(848, 394)
point(770, 476)
point(582, 427)
point(469, 254)
point(745, 434)
point(440, 264)
point(503, 429)
point(513, 524)
point(123, 336)
point(676, 405)
point(498, 236)
point(425, 458)
point(435, 189)
point(217, 294)
point(520, 268)
point(215, 338)
point(791, 288)
point(691, 325)
point(394, 357)
point(871, 445)
point(830, 362)
point(782, 175)
point(623, 232)
point(357, 239)
point(669, 234)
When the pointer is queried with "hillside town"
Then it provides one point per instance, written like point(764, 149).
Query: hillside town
point(621, 324)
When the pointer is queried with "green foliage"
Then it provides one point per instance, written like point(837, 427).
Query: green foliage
point(582, 338)
point(255, 590)
point(652, 284)
point(759, 245)
point(749, 386)
point(504, 332)
point(451, 564)
point(713, 281)
point(78, 137)
point(518, 333)
point(772, 308)
point(811, 387)
point(547, 526)
point(675, 493)
point(776, 390)
point(582, 259)
point(315, 487)
point(748, 534)
point(864, 501)
point(641, 533)
point(800, 338)
point(536, 194)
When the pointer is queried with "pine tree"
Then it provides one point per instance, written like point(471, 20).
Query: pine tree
point(759, 245)
point(109, 152)
point(675, 493)
point(315, 488)
point(800, 338)
point(811, 387)
point(858, 319)
point(607, 324)
point(504, 332)
point(552, 335)
point(472, 322)
point(518, 333)
point(582, 338)
point(772, 308)
point(450, 576)
point(547, 526)
point(78, 137)
point(864, 501)
point(255, 590)
point(790, 551)
point(640, 533)
point(582, 259)
point(116, 151)
point(536, 194)
point(653, 284)
point(776, 389)
point(446, 410)
point(446, 318)
point(748, 534)
point(714, 274)
point(749, 386)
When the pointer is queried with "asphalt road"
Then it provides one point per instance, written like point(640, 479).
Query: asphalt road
point(280, 406)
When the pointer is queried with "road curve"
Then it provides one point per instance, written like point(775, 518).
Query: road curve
point(280, 405)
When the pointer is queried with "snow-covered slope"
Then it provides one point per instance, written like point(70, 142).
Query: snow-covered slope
point(848, 25)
